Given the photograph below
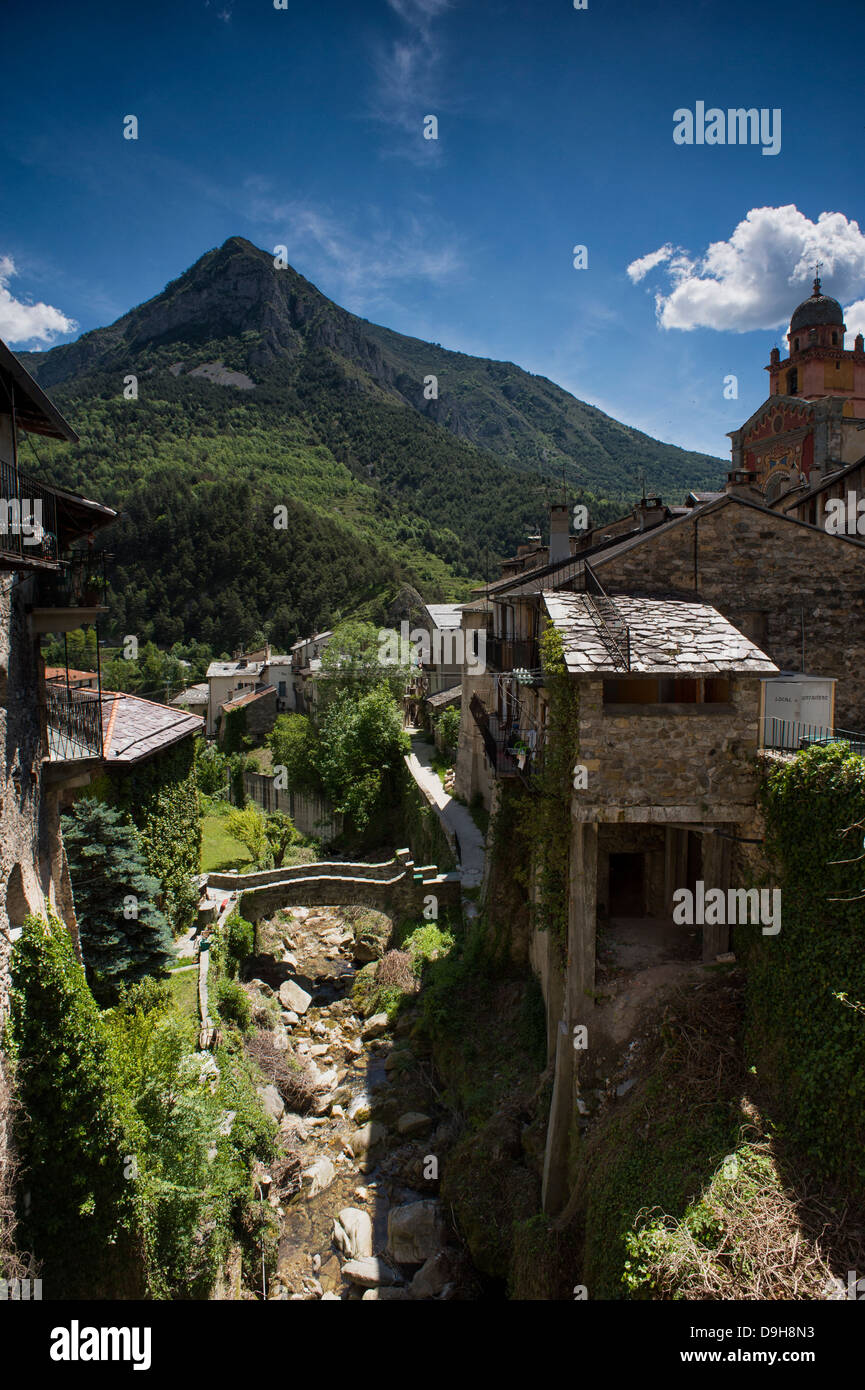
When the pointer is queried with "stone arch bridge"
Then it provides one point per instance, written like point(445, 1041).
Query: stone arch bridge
point(397, 887)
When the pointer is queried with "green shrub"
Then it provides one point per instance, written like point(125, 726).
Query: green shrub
point(232, 1002)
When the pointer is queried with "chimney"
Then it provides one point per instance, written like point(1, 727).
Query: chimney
point(650, 512)
point(560, 541)
point(742, 482)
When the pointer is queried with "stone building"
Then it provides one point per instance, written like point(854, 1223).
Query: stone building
point(46, 586)
point(811, 424)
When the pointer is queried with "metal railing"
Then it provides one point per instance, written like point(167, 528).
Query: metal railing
point(513, 653)
point(511, 749)
point(74, 719)
point(79, 583)
point(611, 626)
point(28, 518)
point(789, 735)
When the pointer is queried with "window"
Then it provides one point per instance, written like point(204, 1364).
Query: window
point(793, 382)
point(667, 690)
point(835, 341)
point(281, 688)
point(795, 344)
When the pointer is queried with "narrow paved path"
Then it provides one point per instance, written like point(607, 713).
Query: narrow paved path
point(470, 841)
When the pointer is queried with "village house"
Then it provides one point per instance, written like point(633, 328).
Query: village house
point(682, 627)
point(46, 586)
point(261, 674)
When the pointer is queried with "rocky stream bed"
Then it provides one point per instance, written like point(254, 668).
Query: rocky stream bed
point(362, 1134)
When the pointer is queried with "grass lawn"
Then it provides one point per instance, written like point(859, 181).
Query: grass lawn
point(184, 992)
point(219, 850)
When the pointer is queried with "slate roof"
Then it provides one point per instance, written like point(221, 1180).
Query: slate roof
point(444, 697)
point(134, 728)
point(248, 698)
point(192, 695)
point(668, 637)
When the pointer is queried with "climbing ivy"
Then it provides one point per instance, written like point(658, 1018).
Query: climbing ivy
point(234, 736)
point(545, 814)
point(808, 1043)
point(160, 797)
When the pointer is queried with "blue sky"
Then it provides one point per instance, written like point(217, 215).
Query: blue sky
point(304, 127)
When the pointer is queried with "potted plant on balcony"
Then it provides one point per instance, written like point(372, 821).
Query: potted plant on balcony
point(521, 752)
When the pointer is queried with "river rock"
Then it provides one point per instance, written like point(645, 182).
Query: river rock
point(400, 1060)
point(412, 1123)
point(379, 1295)
point(415, 1232)
point(352, 1233)
point(433, 1276)
point(330, 1298)
point(292, 997)
point(360, 1109)
point(272, 1101)
point(318, 1176)
point(367, 1138)
point(374, 1027)
point(369, 1272)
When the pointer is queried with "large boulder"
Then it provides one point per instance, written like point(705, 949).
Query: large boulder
point(415, 1232)
point(369, 1272)
point(352, 1233)
point(318, 1176)
point(293, 998)
point(433, 1276)
point(362, 1141)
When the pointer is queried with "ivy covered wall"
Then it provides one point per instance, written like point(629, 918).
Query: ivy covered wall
point(805, 992)
point(160, 797)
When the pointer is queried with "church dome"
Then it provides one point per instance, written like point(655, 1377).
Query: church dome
point(816, 311)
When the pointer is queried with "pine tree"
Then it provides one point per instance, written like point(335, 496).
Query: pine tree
point(124, 936)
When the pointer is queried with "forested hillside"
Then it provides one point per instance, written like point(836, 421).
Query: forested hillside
point(255, 393)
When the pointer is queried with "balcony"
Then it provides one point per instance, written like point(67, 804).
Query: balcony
point(74, 723)
point(513, 654)
point(512, 750)
point(72, 595)
point(28, 522)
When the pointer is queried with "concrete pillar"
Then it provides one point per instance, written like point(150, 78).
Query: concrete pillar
point(716, 874)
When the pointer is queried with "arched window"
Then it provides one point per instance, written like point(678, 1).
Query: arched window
point(793, 382)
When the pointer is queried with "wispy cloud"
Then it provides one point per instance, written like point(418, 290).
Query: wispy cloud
point(408, 75)
point(751, 280)
point(21, 322)
point(366, 263)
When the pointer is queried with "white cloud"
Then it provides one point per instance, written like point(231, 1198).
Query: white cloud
point(364, 265)
point(407, 76)
point(854, 317)
point(25, 323)
point(755, 279)
point(640, 268)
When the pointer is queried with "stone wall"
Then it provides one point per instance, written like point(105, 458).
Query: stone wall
point(32, 865)
point(674, 755)
point(773, 578)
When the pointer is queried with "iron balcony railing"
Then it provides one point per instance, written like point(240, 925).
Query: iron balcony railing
point(513, 654)
point(28, 518)
point(74, 720)
point(79, 583)
point(789, 735)
point(511, 749)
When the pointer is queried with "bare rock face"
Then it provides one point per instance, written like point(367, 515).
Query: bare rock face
point(415, 1232)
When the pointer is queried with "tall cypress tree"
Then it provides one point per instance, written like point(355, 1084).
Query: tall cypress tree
point(124, 935)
